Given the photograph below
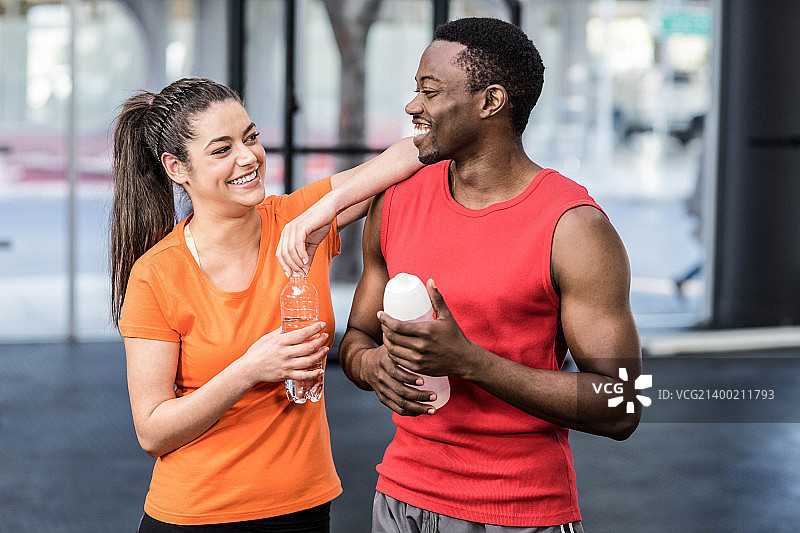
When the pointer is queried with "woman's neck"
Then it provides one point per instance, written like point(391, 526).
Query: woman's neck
point(227, 248)
point(226, 233)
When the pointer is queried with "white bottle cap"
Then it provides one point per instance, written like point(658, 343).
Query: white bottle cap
point(405, 297)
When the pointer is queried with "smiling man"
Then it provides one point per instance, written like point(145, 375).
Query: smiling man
point(521, 265)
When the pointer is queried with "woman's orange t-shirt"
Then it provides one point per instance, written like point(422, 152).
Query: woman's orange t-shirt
point(266, 456)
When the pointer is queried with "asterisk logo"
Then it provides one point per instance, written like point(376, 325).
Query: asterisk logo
point(645, 381)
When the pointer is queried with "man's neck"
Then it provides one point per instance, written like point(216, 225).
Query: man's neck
point(491, 176)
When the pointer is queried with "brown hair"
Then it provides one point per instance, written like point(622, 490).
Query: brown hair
point(143, 211)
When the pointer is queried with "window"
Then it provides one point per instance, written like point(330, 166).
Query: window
point(627, 89)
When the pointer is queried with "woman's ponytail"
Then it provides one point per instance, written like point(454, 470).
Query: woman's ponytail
point(143, 211)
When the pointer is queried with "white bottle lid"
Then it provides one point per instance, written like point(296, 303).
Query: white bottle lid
point(405, 297)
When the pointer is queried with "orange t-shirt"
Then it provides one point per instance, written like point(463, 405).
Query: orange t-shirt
point(266, 456)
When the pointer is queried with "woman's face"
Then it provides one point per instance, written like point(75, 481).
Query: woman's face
point(226, 161)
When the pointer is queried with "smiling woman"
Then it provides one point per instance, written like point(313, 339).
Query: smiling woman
point(197, 305)
point(224, 168)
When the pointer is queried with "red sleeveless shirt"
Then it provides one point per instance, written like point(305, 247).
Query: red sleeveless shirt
point(479, 458)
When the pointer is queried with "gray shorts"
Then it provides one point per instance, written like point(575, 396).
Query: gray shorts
point(393, 516)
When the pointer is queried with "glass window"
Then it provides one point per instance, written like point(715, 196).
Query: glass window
point(395, 43)
point(626, 93)
point(120, 47)
point(398, 33)
point(265, 70)
point(479, 8)
point(627, 88)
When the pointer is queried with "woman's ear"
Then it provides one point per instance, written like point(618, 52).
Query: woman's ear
point(495, 98)
point(175, 168)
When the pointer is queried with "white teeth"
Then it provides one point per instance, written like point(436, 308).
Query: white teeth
point(421, 129)
point(244, 179)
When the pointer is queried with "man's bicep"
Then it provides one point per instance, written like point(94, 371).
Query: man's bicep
point(368, 298)
point(591, 268)
point(601, 340)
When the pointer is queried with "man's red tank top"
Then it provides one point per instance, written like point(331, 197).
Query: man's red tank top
point(479, 458)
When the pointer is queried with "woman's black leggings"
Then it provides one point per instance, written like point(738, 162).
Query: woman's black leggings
point(314, 520)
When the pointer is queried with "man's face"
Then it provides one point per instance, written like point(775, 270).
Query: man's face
point(444, 112)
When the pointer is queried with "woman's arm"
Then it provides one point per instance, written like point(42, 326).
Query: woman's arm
point(165, 422)
point(351, 193)
point(353, 189)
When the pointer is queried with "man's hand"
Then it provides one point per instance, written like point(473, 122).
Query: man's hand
point(435, 348)
point(392, 384)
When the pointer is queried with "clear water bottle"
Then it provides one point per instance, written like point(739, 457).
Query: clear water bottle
point(405, 298)
point(300, 308)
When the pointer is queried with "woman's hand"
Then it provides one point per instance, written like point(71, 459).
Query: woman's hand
point(302, 236)
point(348, 200)
point(292, 355)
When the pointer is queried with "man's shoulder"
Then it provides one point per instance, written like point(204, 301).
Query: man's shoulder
point(563, 193)
point(582, 216)
point(555, 179)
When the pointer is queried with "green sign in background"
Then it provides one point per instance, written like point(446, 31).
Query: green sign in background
point(686, 23)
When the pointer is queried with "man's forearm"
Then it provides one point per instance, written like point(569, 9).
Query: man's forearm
point(352, 353)
point(568, 399)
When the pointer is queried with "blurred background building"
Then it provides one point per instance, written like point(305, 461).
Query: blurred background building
point(628, 110)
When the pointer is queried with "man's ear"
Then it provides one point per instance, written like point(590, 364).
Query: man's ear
point(495, 98)
point(176, 170)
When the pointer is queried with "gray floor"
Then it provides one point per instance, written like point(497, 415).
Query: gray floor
point(69, 460)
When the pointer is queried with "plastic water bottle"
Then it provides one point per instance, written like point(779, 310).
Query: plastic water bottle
point(405, 298)
point(300, 308)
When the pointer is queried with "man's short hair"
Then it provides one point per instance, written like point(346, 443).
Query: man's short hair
point(498, 52)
